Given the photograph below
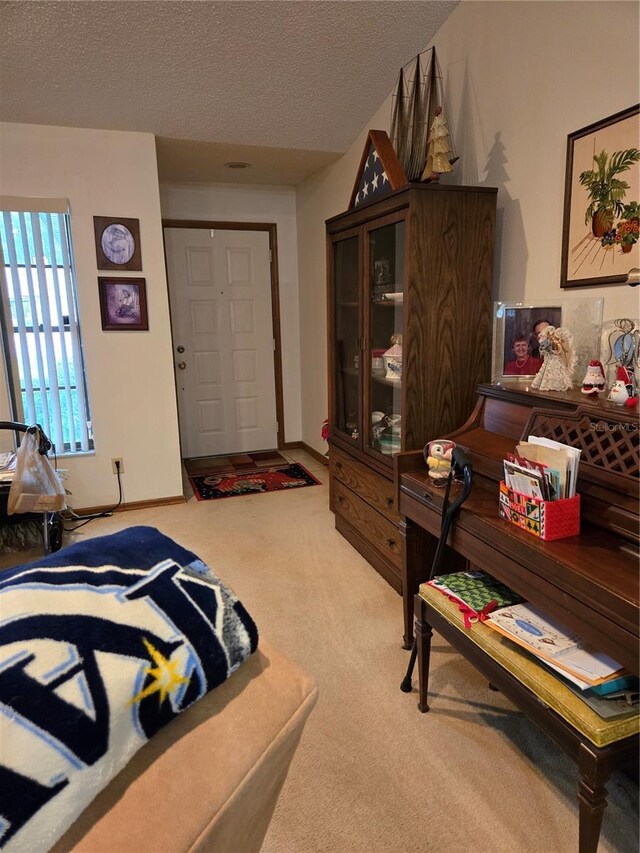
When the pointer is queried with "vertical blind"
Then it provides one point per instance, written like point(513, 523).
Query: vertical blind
point(41, 332)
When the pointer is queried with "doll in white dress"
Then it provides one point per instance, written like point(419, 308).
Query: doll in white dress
point(558, 360)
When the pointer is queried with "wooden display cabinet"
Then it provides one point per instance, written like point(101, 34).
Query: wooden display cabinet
point(414, 268)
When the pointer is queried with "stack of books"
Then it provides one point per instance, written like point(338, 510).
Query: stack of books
point(595, 677)
point(598, 679)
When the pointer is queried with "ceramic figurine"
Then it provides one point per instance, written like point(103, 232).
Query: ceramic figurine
point(623, 392)
point(594, 382)
point(438, 458)
point(393, 359)
point(558, 360)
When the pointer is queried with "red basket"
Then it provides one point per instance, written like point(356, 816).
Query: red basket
point(546, 519)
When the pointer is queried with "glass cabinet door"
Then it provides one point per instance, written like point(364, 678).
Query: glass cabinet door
point(384, 318)
point(347, 357)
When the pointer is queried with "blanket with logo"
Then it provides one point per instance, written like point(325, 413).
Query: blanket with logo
point(101, 645)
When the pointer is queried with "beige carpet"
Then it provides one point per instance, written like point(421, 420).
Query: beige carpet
point(372, 774)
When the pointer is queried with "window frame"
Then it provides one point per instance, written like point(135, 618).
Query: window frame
point(46, 288)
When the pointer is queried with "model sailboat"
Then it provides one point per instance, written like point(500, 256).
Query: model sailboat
point(419, 126)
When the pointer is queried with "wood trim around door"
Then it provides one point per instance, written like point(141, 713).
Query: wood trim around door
point(272, 230)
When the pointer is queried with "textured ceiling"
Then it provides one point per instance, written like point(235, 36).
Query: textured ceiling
point(286, 86)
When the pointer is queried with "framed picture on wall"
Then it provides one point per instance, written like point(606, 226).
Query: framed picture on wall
point(602, 190)
point(117, 243)
point(123, 304)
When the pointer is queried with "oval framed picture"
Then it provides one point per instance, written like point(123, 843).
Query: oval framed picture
point(117, 243)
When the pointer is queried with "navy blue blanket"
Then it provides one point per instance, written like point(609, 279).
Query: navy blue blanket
point(101, 644)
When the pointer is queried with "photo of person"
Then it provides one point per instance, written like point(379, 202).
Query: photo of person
point(524, 363)
point(117, 243)
point(522, 328)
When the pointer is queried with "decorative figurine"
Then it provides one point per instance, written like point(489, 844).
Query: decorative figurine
point(393, 359)
point(558, 360)
point(417, 98)
point(438, 457)
point(594, 382)
point(623, 392)
point(624, 344)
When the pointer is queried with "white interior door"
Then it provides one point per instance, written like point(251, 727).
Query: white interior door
point(220, 289)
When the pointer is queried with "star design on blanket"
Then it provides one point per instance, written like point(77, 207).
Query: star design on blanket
point(166, 678)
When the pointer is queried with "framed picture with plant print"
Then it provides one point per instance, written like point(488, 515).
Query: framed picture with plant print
point(117, 243)
point(123, 304)
point(602, 189)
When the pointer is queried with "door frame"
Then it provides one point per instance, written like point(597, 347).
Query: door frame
point(272, 229)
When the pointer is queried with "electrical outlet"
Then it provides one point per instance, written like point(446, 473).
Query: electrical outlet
point(117, 465)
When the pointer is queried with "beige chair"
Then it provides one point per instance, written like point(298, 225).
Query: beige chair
point(210, 780)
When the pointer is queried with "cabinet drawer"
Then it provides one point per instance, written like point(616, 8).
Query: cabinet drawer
point(369, 523)
point(370, 486)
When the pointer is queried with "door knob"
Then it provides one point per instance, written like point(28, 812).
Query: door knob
point(180, 348)
point(182, 365)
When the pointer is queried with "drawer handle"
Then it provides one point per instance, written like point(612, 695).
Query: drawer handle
point(392, 543)
point(340, 499)
point(428, 498)
point(389, 502)
point(339, 466)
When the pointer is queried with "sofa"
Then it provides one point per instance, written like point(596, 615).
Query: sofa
point(141, 710)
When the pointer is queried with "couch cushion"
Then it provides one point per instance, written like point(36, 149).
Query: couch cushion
point(209, 780)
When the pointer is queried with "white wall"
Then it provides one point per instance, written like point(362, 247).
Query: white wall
point(519, 77)
point(129, 374)
point(235, 203)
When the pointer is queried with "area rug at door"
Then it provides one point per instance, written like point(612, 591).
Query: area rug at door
point(209, 486)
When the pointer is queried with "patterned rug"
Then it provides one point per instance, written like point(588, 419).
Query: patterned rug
point(236, 463)
point(206, 487)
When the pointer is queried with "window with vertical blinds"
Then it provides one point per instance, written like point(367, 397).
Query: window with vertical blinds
point(39, 318)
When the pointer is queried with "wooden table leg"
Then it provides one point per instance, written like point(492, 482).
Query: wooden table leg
point(423, 643)
point(592, 796)
point(412, 574)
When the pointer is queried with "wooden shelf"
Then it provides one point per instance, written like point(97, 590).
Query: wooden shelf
point(396, 383)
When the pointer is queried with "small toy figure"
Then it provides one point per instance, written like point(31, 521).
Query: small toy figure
point(623, 392)
point(558, 360)
point(594, 381)
point(438, 458)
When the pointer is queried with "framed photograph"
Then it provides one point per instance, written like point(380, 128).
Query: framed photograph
point(602, 188)
point(517, 327)
point(123, 304)
point(117, 243)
